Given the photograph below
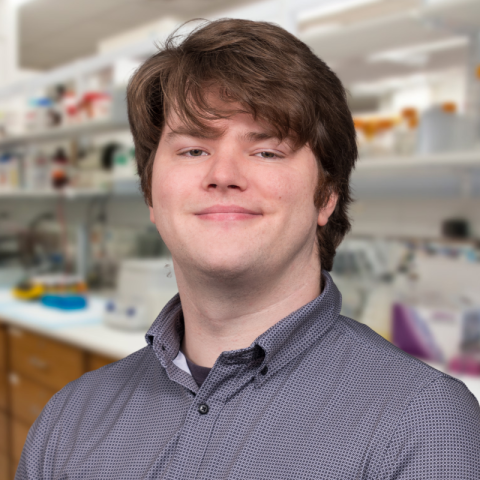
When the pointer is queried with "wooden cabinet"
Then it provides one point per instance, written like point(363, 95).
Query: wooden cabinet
point(3, 368)
point(3, 434)
point(27, 398)
point(4, 467)
point(46, 361)
point(3, 348)
point(19, 435)
point(32, 369)
point(3, 390)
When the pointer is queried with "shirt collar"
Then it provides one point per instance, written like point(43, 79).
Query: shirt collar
point(280, 343)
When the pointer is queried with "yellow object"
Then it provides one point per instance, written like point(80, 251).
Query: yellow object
point(28, 291)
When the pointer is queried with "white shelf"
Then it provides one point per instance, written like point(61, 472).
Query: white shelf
point(455, 160)
point(77, 69)
point(442, 175)
point(68, 193)
point(359, 40)
point(71, 193)
point(61, 133)
point(456, 14)
point(349, 44)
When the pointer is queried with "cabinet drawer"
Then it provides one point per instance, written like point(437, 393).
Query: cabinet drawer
point(3, 433)
point(5, 468)
point(95, 361)
point(44, 360)
point(19, 435)
point(27, 398)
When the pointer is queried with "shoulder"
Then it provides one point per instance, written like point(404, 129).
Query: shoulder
point(126, 384)
point(373, 364)
point(430, 421)
point(124, 367)
point(87, 401)
point(437, 436)
point(372, 348)
point(101, 386)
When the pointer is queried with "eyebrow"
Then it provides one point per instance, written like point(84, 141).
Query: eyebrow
point(258, 136)
point(215, 134)
point(189, 132)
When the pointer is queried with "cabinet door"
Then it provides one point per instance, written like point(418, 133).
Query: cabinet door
point(19, 435)
point(27, 398)
point(43, 360)
point(3, 434)
point(5, 468)
point(3, 390)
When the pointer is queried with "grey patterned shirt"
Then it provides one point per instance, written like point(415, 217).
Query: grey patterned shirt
point(317, 396)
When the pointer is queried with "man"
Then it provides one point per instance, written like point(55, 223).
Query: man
point(245, 146)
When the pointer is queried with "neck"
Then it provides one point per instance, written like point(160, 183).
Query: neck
point(230, 314)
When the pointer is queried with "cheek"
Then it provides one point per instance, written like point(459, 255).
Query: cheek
point(289, 187)
point(168, 186)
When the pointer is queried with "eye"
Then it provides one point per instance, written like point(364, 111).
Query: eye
point(268, 155)
point(195, 152)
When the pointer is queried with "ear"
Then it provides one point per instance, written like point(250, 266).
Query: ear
point(152, 215)
point(327, 210)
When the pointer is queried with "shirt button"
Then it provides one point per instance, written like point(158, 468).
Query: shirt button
point(264, 370)
point(203, 409)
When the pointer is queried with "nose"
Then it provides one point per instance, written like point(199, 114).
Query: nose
point(225, 172)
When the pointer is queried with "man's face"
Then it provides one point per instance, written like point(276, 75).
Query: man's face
point(241, 202)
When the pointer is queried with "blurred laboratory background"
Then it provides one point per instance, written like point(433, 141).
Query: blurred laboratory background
point(83, 273)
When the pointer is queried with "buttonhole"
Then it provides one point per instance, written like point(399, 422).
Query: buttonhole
point(264, 370)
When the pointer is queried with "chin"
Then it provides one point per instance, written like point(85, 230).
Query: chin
point(227, 266)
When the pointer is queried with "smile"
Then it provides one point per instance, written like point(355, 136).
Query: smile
point(225, 213)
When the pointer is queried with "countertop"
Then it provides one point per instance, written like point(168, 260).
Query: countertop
point(85, 330)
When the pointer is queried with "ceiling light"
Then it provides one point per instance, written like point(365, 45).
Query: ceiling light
point(417, 54)
point(389, 84)
point(332, 9)
point(18, 3)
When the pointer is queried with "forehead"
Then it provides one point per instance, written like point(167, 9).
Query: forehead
point(242, 125)
point(213, 114)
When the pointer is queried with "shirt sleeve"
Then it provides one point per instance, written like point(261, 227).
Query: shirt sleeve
point(32, 461)
point(438, 437)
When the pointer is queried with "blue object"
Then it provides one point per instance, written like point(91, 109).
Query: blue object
point(43, 102)
point(64, 302)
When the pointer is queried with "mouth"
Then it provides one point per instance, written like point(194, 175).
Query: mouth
point(227, 213)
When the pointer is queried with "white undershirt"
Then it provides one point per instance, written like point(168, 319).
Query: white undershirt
point(181, 362)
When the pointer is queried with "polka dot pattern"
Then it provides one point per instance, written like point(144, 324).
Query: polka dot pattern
point(317, 396)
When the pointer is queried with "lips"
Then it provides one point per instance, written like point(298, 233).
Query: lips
point(227, 212)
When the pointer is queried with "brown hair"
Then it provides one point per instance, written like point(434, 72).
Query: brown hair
point(272, 75)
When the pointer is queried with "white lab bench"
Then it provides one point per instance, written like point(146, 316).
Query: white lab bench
point(83, 329)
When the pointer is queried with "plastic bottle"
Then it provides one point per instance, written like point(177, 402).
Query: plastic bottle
point(406, 132)
point(60, 176)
